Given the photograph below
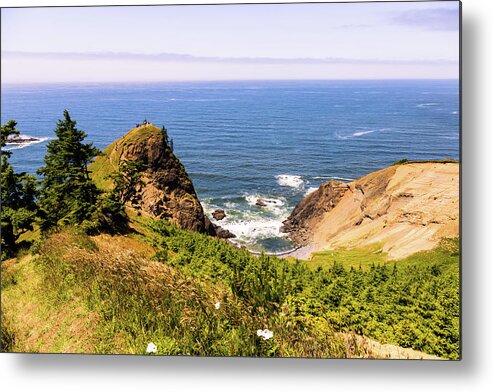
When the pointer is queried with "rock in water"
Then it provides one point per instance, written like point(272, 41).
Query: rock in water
point(261, 203)
point(223, 233)
point(219, 214)
point(168, 192)
point(20, 139)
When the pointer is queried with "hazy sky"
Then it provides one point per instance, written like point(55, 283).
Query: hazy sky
point(283, 41)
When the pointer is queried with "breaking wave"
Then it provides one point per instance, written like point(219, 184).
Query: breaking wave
point(17, 146)
point(289, 180)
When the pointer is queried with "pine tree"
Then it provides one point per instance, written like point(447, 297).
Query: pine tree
point(165, 135)
point(128, 182)
point(67, 195)
point(18, 195)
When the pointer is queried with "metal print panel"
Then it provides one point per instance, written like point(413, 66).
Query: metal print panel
point(263, 180)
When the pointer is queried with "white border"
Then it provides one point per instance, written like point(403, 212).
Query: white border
point(94, 373)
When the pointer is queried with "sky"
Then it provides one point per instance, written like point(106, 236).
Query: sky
point(396, 40)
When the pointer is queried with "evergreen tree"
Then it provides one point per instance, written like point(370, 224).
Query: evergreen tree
point(67, 195)
point(18, 195)
point(165, 135)
point(128, 182)
point(127, 185)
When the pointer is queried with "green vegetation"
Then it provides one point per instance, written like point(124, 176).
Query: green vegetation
point(120, 301)
point(18, 193)
point(109, 161)
point(413, 303)
point(128, 182)
point(350, 258)
point(67, 194)
point(444, 160)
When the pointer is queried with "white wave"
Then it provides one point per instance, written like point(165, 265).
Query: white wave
point(455, 112)
point(230, 204)
point(202, 99)
point(342, 178)
point(272, 204)
point(450, 137)
point(254, 228)
point(361, 133)
point(249, 222)
point(311, 190)
point(17, 146)
point(289, 180)
point(424, 105)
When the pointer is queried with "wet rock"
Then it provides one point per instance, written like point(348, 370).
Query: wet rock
point(223, 233)
point(261, 203)
point(219, 214)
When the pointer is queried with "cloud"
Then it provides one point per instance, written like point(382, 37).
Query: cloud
point(187, 58)
point(442, 19)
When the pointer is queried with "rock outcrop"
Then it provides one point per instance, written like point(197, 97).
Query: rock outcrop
point(219, 214)
point(167, 191)
point(404, 208)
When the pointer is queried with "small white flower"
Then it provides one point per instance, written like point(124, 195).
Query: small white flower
point(265, 334)
point(217, 305)
point(268, 334)
point(151, 348)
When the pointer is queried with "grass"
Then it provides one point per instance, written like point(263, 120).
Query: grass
point(355, 258)
point(31, 322)
point(115, 294)
point(406, 161)
point(100, 295)
point(445, 254)
point(108, 162)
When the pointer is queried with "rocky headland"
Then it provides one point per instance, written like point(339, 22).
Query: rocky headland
point(167, 191)
point(404, 208)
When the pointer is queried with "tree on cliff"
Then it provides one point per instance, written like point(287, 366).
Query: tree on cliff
point(18, 194)
point(67, 194)
point(128, 182)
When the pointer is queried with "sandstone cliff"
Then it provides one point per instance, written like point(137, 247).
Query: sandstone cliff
point(168, 192)
point(404, 208)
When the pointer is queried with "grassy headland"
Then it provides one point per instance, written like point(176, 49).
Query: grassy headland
point(106, 295)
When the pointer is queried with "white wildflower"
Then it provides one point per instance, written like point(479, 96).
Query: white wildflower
point(217, 305)
point(265, 334)
point(151, 348)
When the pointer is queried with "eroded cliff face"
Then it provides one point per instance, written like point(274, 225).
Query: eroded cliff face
point(168, 192)
point(309, 210)
point(404, 208)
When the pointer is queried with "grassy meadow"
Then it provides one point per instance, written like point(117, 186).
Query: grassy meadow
point(191, 294)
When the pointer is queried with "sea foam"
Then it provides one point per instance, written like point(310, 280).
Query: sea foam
point(17, 146)
point(361, 133)
point(250, 222)
point(289, 180)
point(311, 190)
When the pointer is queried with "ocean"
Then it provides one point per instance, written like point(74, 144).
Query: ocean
point(249, 140)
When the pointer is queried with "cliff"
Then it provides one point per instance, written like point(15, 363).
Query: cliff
point(404, 208)
point(168, 192)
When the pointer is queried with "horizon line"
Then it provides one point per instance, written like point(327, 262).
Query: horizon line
point(5, 84)
point(189, 58)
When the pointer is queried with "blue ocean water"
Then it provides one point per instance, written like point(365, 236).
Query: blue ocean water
point(241, 141)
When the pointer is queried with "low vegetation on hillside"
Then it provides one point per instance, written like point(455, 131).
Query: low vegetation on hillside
point(149, 287)
point(200, 296)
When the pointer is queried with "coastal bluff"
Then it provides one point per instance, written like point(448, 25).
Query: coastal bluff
point(167, 191)
point(404, 208)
